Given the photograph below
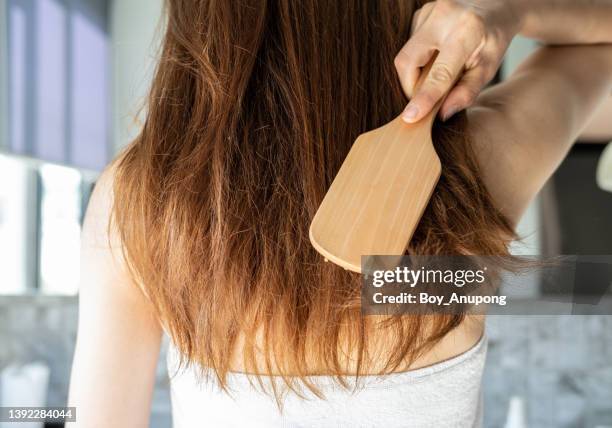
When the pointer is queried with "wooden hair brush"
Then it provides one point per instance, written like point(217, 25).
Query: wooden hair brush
point(376, 200)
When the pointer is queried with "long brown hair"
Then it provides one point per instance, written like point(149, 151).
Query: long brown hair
point(252, 110)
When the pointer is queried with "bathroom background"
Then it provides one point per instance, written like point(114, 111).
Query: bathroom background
point(73, 74)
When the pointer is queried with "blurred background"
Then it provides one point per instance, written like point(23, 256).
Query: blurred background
point(73, 74)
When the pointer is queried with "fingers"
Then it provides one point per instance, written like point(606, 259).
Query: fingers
point(409, 61)
point(460, 37)
point(466, 90)
point(416, 53)
point(463, 94)
point(420, 16)
point(447, 67)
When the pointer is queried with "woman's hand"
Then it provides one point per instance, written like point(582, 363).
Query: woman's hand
point(471, 37)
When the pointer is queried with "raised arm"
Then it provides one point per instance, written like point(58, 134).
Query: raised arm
point(567, 21)
point(524, 126)
point(118, 341)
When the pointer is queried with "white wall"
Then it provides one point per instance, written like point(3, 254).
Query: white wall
point(519, 50)
point(136, 30)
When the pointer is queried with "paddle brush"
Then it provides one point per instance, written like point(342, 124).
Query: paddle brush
point(376, 200)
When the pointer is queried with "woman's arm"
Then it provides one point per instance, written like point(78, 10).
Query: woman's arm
point(118, 341)
point(599, 129)
point(567, 21)
point(525, 126)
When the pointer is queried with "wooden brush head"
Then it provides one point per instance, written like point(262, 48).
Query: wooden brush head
point(379, 194)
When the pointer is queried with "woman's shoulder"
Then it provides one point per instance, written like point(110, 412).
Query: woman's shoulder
point(102, 252)
point(97, 222)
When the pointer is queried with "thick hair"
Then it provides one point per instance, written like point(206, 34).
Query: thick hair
point(253, 108)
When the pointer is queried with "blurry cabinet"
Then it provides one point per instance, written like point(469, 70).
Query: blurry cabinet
point(576, 213)
point(580, 210)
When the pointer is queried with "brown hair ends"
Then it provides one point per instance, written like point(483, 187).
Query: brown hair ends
point(253, 108)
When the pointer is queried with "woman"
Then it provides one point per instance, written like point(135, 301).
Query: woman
point(200, 227)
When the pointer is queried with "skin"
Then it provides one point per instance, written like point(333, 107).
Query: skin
point(600, 129)
point(118, 337)
point(472, 37)
point(521, 140)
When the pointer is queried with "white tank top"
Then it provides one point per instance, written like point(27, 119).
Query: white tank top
point(446, 394)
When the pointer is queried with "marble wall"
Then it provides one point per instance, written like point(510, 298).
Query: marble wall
point(560, 365)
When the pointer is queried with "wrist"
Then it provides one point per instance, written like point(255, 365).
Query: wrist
point(508, 16)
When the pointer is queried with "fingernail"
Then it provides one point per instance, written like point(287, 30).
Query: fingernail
point(410, 113)
point(450, 113)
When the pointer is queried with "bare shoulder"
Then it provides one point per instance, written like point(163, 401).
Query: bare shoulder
point(97, 225)
point(102, 254)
